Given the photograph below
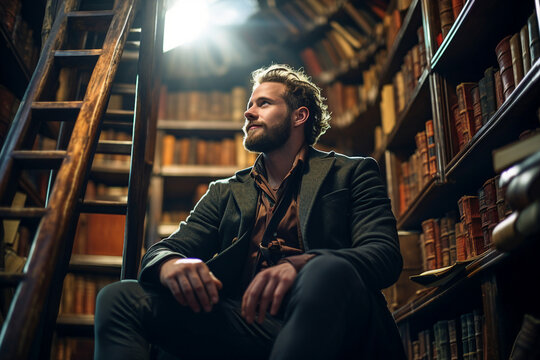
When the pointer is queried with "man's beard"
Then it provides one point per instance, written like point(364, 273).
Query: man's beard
point(268, 139)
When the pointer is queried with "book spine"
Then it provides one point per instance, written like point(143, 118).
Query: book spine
point(446, 15)
point(477, 108)
point(517, 61)
point(432, 154)
point(499, 94)
point(489, 76)
point(525, 52)
point(534, 37)
point(504, 59)
point(429, 243)
point(457, 5)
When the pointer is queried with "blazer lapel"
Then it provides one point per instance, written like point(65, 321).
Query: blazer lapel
point(245, 194)
point(319, 165)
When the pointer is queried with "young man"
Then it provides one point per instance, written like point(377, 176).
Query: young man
point(283, 260)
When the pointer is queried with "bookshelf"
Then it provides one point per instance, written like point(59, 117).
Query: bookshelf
point(460, 47)
point(194, 148)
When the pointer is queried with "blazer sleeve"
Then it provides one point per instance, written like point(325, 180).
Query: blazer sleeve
point(196, 237)
point(374, 251)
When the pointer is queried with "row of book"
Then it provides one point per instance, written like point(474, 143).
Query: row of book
point(345, 101)
point(446, 241)
point(393, 20)
point(478, 101)
point(112, 159)
point(8, 107)
point(20, 32)
point(101, 234)
point(453, 339)
point(72, 348)
point(410, 176)
point(448, 12)
point(203, 105)
point(192, 150)
point(79, 293)
point(395, 96)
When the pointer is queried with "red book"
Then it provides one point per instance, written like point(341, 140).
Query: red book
point(466, 108)
point(447, 16)
point(477, 108)
point(428, 227)
point(504, 58)
point(457, 5)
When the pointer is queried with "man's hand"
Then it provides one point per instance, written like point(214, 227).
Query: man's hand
point(191, 283)
point(268, 287)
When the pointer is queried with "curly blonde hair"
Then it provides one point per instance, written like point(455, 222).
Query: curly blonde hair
point(300, 91)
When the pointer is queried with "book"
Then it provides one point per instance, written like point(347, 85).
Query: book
point(432, 152)
point(499, 94)
point(514, 231)
point(517, 61)
point(525, 52)
point(526, 343)
point(387, 106)
point(534, 37)
point(477, 107)
point(491, 103)
point(446, 15)
point(466, 108)
point(457, 6)
point(504, 59)
point(510, 154)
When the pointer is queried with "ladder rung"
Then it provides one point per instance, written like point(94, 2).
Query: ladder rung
point(123, 89)
point(77, 57)
point(130, 55)
point(9, 278)
point(119, 115)
point(104, 207)
point(39, 159)
point(21, 213)
point(91, 20)
point(114, 147)
point(56, 110)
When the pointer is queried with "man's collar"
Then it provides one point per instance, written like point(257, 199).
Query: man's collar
point(259, 169)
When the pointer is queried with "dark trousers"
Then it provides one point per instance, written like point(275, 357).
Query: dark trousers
point(328, 313)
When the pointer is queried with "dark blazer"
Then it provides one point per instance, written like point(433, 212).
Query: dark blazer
point(343, 210)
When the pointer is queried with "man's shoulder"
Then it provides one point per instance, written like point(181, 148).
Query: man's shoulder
point(340, 159)
point(239, 177)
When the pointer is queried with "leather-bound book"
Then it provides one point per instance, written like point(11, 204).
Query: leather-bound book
point(499, 95)
point(429, 229)
point(421, 144)
point(534, 38)
point(517, 61)
point(447, 16)
point(461, 241)
point(432, 152)
point(422, 47)
point(477, 108)
point(445, 242)
point(466, 107)
point(504, 59)
point(525, 51)
point(457, 5)
point(491, 103)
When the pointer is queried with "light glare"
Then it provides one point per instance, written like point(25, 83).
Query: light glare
point(184, 22)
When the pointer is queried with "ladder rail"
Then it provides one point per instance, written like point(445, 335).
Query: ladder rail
point(50, 242)
point(21, 122)
point(144, 137)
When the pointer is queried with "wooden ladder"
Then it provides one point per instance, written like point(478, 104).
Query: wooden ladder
point(29, 323)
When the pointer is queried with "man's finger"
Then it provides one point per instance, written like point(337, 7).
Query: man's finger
point(251, 297)
point(209, 284)
point(266, 298)
point(278, 295)
point(187, 289)
point(172, 284)
point(199, 290)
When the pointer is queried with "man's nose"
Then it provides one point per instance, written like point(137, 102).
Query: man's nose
point(250, 114)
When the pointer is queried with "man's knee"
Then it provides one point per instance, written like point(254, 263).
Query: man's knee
point(115, 297)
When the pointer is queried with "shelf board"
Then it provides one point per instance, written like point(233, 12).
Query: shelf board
point(199, 171)
point(75, 325)
point(15, 75)
point(405, 39)
point(95, 263)
point(111, 173)
point(470, 44)
point(199, 126)
point(413, 117)
point(485, 263)
point(500, 130)
point(423, 207)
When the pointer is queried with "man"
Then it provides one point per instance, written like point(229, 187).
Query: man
point(283, 260)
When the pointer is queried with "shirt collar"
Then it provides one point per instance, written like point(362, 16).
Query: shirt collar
point(301, 157)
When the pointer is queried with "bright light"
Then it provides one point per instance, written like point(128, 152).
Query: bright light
point(184, 21)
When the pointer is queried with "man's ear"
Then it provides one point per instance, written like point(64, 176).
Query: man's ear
point(300, 116)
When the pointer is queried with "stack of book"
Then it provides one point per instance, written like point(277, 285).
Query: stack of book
point(460, 338)
point(522, 183)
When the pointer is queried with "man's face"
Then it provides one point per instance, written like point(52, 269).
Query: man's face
point(268, 119)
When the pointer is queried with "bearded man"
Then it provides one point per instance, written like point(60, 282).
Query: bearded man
point(283, 260)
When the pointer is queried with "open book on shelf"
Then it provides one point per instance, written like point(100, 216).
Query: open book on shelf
point(441, 276)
